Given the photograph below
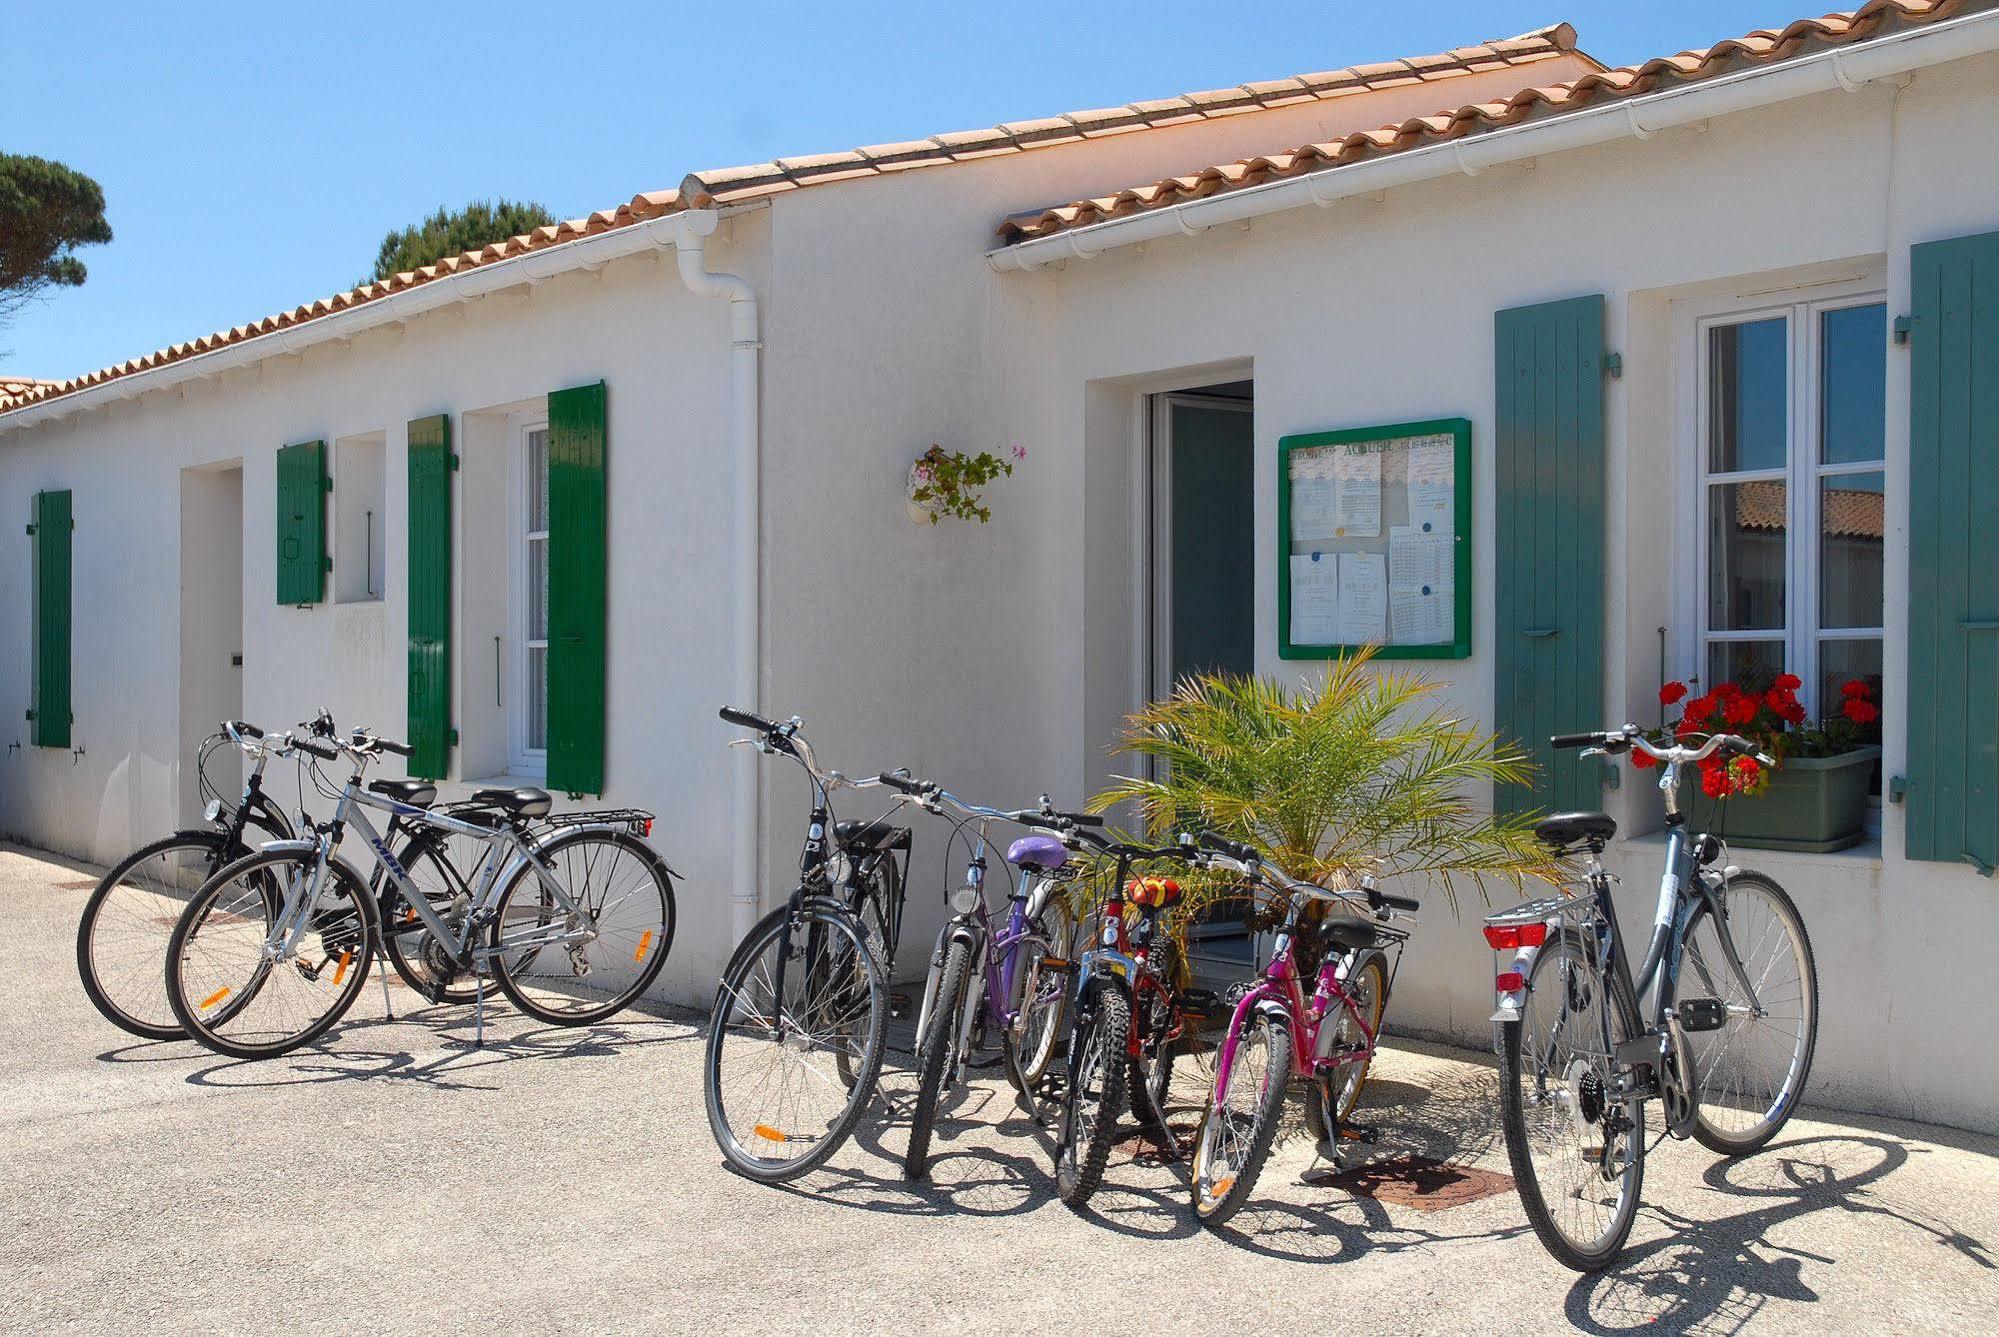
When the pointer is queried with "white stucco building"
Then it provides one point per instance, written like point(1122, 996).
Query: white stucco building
point(1116, 291)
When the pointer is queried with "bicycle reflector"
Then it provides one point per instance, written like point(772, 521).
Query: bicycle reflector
point(1510, 937)
point(1509, 982)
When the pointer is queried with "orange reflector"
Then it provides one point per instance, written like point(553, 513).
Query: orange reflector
point(1222, 1186)
point(215, 998)
point(346, 958)
point(768, 1133)
point(645, 941)
point(409, 914)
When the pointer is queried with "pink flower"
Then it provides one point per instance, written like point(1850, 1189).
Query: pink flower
point(922, 473)
point(1020, 452)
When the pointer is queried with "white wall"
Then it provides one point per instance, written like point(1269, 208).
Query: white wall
point(1381, 312)
point(664, 355)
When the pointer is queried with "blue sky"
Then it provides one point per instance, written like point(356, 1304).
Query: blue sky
point(252, 156)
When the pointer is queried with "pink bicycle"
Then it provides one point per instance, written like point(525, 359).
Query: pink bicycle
point(1347, 940)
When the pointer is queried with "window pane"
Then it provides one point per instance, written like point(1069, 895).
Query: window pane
point(1853, 384)
point(538, 589)
point(538, 480)
point(537, 703)
point(1748, 398)
point(1851, 530)
point(1750, 665)
point(1746, 530)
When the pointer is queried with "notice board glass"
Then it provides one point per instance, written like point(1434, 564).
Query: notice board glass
point(1374, 541)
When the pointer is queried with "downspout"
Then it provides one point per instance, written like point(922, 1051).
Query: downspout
point(690, 250)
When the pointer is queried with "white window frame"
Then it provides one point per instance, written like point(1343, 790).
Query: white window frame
point(522, 760)
point(1802, 475)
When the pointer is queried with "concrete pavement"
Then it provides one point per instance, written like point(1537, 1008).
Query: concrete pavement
point(395, 1180)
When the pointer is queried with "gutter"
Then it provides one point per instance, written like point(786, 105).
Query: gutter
point(1845, 68)
point(690, 250)
point(585, 253)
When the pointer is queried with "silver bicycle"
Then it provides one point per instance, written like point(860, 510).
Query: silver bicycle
point(572, 915)
point(1725, 1044)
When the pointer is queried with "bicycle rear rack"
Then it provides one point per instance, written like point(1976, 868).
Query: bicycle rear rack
point(636, 820)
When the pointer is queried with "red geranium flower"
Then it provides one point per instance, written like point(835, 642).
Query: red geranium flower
point(1853, 688)
point(1672, 693)
point(1740, 709)
point(1714, 780)
point(1861, 711)
point(1643, 760)
point(1790, 682)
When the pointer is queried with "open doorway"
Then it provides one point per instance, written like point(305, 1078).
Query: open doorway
point(211, 621)
point(1203, 578)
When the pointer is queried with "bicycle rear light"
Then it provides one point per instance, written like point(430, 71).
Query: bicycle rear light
point(1510, 937)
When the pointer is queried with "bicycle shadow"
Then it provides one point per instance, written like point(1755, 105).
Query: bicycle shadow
point(1714, 1276)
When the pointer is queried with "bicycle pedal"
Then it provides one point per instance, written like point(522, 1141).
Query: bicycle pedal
point(1702, 1014)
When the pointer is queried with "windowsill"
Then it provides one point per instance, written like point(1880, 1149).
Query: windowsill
point(507, 780)
point(368, 601)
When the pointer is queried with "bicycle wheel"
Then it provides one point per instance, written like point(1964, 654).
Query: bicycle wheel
point(1234, 1138)
point(1578, 1159)
point(412, 949)
point(1096, 1094)
point(935, 1050)
point(1368, 987)
point(1748, 1075)
point(240, 999)
point(1040, 1000)
point(776, 1106)
point(121, 939)
point(573, 967)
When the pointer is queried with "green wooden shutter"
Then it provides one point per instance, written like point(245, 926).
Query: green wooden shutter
point(51, 528)
point(1952, 785)
point(1549, 530)
point(302, 563)
point(429, 588)
point(577, 606)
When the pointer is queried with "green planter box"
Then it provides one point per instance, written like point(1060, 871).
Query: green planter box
point(1813, 804)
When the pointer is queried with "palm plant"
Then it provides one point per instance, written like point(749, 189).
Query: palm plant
point(1361, 772)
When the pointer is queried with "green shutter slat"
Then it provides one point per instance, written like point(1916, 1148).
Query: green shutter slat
point(1953, 687)
point(1549, 537)
point(577, 603)
point(429, 586)
point(52, 583)
point(301, 523)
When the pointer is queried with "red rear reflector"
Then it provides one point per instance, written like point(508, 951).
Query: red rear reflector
point(1509, 982)
point(648, 828)
point(1507, 937)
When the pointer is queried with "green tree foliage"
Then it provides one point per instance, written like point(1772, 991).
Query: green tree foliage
point(1361, 772)
point(449, 232)
point(47, 211)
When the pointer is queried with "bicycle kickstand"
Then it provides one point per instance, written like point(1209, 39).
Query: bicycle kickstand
point(479, 1011)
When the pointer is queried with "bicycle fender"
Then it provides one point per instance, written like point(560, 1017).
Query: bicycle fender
point(1037, 900)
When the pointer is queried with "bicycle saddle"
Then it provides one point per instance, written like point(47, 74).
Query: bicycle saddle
point(1569, 828)
point(876, 835)
point(523, 802)
point(1043, 852)
point(416, 793)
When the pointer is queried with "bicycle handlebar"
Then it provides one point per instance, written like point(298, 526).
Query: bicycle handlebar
point(748, 719)
point(324, 751)
point(1615, 741)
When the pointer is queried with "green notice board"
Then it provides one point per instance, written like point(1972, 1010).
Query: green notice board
point(1374, 541)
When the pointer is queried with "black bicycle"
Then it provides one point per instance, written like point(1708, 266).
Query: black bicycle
point(801, 1016)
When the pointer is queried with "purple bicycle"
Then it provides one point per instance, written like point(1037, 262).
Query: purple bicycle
point(1275, 1031)
point(990, 981)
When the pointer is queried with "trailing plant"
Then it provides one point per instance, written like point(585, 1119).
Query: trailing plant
point(1774, 719)
point(1362, 772)
point(948, 482)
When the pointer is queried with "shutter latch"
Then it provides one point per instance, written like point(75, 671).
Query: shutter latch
point(1898, 788)
point(1903, 325)
point(1613, 366)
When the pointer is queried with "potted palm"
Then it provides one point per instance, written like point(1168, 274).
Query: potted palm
point(1361, 772)
point(1815, 798)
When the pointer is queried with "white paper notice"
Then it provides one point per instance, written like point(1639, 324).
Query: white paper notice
point(1314, 507)
point(1433, 486)
point(1416, 559)
point(1421, 616)
point(1315, 599)
point(1363, 598)
point(1359, 514)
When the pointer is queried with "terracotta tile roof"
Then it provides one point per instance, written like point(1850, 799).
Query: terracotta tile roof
point(1844, 512)
point(1765, 46)
point(656, 204)
point(730, 185)
point(14, 387)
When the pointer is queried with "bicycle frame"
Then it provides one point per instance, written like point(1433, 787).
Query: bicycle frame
point(1282, 988)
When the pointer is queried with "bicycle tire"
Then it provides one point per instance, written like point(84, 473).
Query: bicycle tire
point(1226, 1194)
point(347, 930)
point(935, 1051)
point(740, 988)
point(1781, 1103)
point(141, 1009)
point(1594, 1255)
point(1098, 1051)
point(644, 941)
point(1029, 1045)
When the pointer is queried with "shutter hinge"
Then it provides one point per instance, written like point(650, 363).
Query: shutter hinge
point(1898, 788)
point(451, 462)
point(30, 715)
point(1612, 778)
point(329, 563)
point(326, 483)
point(1903, 326)
point(454, 737)
point(31, 531)
point(1613, 364)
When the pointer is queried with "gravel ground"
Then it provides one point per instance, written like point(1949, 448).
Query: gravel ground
point(395, 1179)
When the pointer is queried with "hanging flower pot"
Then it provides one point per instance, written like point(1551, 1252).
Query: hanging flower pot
point(945, 483)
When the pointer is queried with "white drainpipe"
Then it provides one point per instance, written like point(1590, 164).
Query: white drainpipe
point(689, 240)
